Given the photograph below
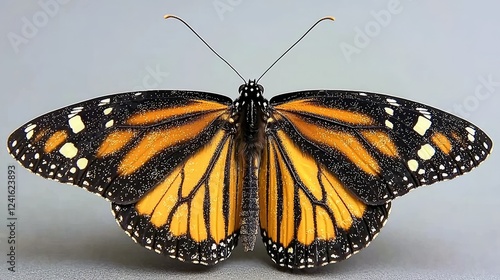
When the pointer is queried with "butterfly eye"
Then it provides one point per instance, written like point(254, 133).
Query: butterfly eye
point(261, 88)
point(241, 88)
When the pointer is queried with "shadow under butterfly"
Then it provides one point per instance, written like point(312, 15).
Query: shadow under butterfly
point(190, 173)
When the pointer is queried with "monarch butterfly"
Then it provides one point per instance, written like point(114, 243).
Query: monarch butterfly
point(190, 173)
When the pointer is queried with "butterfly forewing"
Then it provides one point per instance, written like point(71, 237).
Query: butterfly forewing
point(119, 146)
point(379, 146)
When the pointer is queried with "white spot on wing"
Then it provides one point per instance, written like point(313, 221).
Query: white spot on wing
point(469, 136)
point(426, 152)
point(110, 123)
point(389, 111)
point(68, 150)
point(471, 130)
point(389, 124)
point(29, 127)
point(104, 102)
point(82, 163)
point(29, 134)
point(413, 165)
point(107, 111)
point(76, 124)
point(422, 125)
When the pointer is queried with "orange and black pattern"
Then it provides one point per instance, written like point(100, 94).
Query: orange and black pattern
point(190, 174)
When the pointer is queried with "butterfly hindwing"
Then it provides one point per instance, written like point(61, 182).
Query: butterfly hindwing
point(379, 146)
point(193, 214)
point(308, 217)
point(122, 145)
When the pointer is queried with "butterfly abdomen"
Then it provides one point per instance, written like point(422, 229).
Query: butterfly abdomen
point(250, 206)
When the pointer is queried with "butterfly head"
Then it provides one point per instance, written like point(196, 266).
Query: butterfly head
point(251, 90)
point(250, 109)
point(251, 94)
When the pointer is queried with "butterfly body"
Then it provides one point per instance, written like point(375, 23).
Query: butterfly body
point(190, 173)
point(250, 112)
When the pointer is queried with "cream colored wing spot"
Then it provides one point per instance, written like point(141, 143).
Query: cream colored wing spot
point(76, 124)
point(413, 165)
point(107, 111)
point(422, 125)
point(109, 123)
point(82, 163)
point(426, 152)
point(68, 150)
point(389, 124)
point(29, 130)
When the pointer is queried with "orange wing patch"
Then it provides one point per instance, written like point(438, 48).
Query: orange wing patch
point(179, 224)
point(39, 135)
point(156, 141)
point(306, 231)
point(344, 142)
point(114, 142)
point(55, 141)
point(309, 107)
point(381, 141)
point(278, 228)
point(345, 206)
point(442, 142)
point(193, 107)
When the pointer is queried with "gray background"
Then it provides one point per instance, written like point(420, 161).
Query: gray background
point(433, 52)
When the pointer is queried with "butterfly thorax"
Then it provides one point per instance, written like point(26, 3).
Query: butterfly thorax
point(250, 116)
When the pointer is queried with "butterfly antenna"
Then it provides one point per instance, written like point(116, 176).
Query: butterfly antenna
point(320, 20)
point(195, 33)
